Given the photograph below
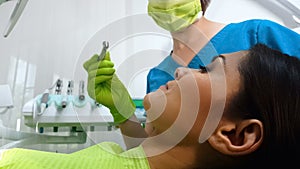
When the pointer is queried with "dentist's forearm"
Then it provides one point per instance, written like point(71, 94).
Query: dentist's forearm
point(133, 132)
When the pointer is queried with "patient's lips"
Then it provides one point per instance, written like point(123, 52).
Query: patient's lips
point(163, 87)
point(155, 103)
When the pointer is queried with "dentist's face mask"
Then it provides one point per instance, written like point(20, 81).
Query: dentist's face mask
point(174, 15)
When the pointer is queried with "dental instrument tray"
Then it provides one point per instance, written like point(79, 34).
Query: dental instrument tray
point(70, 110)
point(65, 111)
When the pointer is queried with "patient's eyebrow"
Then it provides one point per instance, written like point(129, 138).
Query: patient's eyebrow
point(219, 56)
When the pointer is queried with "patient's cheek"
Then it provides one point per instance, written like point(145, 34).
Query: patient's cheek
point(146, 102)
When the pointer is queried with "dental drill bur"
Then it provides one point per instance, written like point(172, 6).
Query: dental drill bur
point(104, 50)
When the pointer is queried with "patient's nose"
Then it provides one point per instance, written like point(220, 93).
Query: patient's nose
point(180, 72)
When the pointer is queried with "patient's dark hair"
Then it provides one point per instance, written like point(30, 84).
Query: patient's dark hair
point(204, 5)
point(270, 92)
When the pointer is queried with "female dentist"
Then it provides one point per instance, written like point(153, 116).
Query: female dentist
point(196, 39)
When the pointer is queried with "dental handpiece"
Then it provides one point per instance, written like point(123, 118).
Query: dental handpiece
point(70, 87)
point(64, 102)
point(81, 90)
point(59, 85)
point(44, 100)
point(104, 50)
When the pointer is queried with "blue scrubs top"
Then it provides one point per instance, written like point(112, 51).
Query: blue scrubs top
point(232, 38)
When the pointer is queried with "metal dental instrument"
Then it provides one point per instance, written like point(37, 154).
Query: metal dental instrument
point(70, 87)
point(58, 89)
point(104, 49)
point(59, 85)
point(45, 99)
point(81, 90)
point(17, 12)
point(64, 101)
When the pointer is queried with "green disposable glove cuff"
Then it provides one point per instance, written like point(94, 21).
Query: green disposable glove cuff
point(123, 112)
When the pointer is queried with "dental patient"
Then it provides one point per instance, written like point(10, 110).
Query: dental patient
point(240, 111)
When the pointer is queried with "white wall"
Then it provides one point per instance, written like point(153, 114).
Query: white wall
point(51, 34)
point(238, 10)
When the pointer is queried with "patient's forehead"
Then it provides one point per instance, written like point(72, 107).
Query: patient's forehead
point(232, 60)
point(239, 54)
point(231, 64)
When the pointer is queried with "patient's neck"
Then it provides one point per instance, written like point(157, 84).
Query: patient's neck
point(178, 157)
point(188, 42)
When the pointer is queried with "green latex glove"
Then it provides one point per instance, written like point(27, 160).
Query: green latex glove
point(105, 87)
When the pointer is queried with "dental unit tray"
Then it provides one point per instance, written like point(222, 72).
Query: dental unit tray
point(21, 138)
point(77, 113)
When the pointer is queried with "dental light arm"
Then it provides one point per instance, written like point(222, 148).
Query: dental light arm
point(2, 1)
point(17, 12)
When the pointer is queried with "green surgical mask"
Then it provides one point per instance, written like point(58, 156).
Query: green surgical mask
point(174, 15)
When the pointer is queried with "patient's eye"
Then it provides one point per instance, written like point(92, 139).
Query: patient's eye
point(203, 69)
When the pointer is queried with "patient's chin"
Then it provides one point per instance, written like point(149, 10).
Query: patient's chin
point(146, 102)
point(150, 129)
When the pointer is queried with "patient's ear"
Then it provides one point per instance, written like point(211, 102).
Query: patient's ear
point(237, 138)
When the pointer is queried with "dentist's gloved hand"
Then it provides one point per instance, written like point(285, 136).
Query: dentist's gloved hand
point(105, 87)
